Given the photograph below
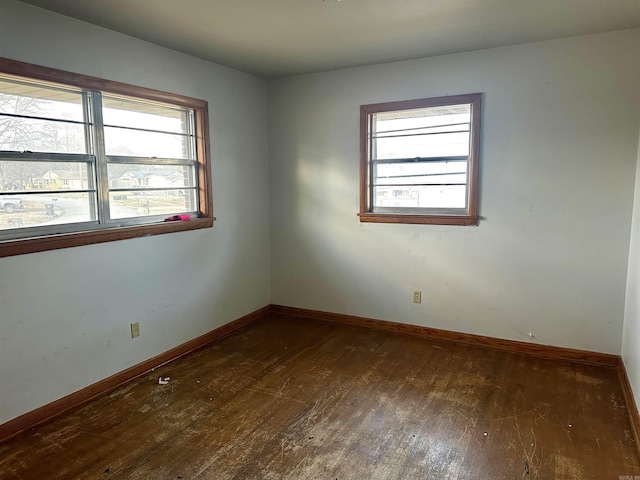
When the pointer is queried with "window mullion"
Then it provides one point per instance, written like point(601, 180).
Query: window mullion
point(190, 128)
point(373, 168)
point(90, 148)
point(102, 174)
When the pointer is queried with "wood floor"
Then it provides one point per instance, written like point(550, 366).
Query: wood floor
point(290, 398)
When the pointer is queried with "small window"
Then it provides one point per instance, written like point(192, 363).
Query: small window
point(419, 161)
point(85, 160)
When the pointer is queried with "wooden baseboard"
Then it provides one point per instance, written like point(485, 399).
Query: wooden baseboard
point(630, 401)
point(46, 412)
point(547, 351)
point(53, 409)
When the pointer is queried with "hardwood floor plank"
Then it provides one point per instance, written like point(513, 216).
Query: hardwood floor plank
point(292, 398)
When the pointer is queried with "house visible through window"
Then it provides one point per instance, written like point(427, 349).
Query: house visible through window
point(419, 161)
point(75, 158)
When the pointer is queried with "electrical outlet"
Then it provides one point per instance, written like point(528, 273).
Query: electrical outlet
point(135, 330)
point(417, 296)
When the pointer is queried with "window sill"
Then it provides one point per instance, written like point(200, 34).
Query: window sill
point(463, 220)
point(23, 246)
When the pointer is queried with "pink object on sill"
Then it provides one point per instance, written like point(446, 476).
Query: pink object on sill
point(178, 218)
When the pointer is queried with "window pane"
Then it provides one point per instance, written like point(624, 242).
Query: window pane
point(22, 98)
point(440, 145)
point(423, 132)
point(409, 132)
point(423, 117)
point(143, 203)
point(20, 134)
point(421, 173)
point(127, 175)
point(149, 116)
point(21, 211)
point(420, 196)
point(136, 143)
point(18, 175)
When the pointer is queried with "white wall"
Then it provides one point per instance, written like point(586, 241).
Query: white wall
point(631, 332)
point(559, 145)
point(64, 315)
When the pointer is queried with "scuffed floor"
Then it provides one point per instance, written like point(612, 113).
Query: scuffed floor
point(291, 398)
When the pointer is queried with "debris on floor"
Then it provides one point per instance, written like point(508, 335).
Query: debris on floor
point(164, 380)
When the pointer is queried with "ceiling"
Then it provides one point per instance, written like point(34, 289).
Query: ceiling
point(282, 37)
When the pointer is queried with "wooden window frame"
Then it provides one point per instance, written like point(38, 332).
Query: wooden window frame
point(205, 218)
point(421, 216)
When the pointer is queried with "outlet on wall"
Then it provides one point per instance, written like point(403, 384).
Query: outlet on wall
point(417, 296)
point(135, 330)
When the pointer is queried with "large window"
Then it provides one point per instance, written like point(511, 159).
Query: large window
point(419, 161)
point(85, 160)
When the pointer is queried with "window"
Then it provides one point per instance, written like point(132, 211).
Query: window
point(419, 161)
point(85, 160)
